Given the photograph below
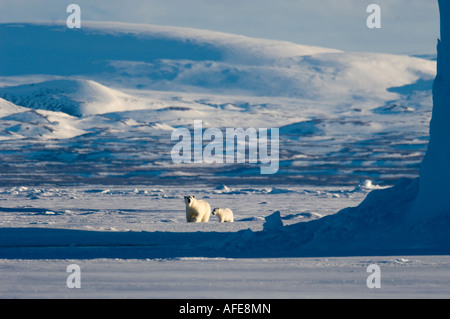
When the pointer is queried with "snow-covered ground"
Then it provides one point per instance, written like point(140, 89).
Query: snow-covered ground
point(86, 175)
point(227, 278)
point(146, 208)
point(133, 242)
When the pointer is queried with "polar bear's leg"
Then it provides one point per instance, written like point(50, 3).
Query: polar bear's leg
point(207, 213)
point(206, 217)
point(192, 217)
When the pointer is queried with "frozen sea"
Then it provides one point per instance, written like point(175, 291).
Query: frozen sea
point(147, 250)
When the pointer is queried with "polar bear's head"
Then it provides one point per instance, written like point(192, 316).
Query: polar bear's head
point(215, 211)
point(189, 199)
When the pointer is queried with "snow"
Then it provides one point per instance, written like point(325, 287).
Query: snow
point(148, 251)
point(86, 176)
point(73, 97)
point(224, 278)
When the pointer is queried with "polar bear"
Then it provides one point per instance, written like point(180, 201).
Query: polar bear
point(197, 211)
point(225, 215)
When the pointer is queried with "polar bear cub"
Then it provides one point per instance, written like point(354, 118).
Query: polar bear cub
point(225, 215)
point(197, 211)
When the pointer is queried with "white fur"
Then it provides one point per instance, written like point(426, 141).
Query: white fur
point(197, 211)
point(225, 215)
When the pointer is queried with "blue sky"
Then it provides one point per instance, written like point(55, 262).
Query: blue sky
point(408, 26)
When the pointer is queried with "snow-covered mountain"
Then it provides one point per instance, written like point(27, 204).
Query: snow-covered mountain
point(107, 97)
point(73, 97)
